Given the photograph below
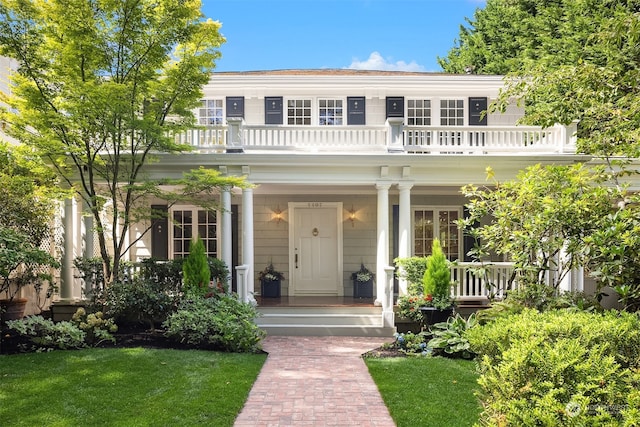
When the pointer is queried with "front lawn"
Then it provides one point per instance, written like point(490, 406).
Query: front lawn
point(427, 391)
point(125, 387)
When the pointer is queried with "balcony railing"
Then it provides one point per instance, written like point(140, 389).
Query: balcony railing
point(390, 137)
point(481, 282)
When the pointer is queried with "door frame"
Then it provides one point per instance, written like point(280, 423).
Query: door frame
point(338, 208)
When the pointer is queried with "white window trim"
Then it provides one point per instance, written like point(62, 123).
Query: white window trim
point(224, 110)
point(436, 210)
point(194, 234)
point(315, 109)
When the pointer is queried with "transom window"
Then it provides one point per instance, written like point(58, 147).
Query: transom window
point(299, 112)
point(189, 223)
point(211, 113)
point(429, 223)
point(330, 112)
point(451, 112)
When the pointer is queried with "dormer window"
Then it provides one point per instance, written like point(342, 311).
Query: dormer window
point(211, 112)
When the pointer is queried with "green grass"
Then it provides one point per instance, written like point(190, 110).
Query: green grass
point(427, 391)
point(125, 387)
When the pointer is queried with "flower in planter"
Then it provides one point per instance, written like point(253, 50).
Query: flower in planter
point(363, 275)
point(269, 274)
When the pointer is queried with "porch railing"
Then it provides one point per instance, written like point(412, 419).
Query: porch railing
point(480, 282)
point(411, 139)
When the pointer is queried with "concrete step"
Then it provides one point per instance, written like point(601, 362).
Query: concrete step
point(323, 321)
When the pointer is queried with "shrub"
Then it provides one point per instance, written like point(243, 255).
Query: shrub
point(195, 270)
point(559, 368)
point(40, 334)
point(412, 269)
point(140, 300)
point(221, 323)
point(412, 344)
point(437, 277)
point(97, 329)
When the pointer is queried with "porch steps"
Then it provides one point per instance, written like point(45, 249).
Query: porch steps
point(323, 321)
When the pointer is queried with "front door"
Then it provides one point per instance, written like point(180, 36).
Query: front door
point(316, 249)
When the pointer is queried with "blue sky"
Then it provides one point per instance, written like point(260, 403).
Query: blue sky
point(406, 35)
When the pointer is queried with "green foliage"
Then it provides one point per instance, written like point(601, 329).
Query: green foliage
point(558, 368)
point(539, 220)
point(195, 270)
point(409, 306)
point(412, 269)
point(412, 343)
point(437, 277)
point(449, 337)
point(43, 334)
point(97, 329)
point(138, 300)
point(221, 323)
point(270, 274)
point(23, 264)
point(101, 91)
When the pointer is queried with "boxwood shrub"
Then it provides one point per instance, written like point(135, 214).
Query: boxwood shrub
point(559, 368)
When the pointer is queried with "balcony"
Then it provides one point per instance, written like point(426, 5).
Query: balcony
point(392, 137)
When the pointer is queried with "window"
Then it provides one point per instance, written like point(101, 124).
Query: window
point(211, 113)
point(429, 223)
point(330, 112)
point(189, 223)
point(299, 112)
point(419, 112)
point(451, 112)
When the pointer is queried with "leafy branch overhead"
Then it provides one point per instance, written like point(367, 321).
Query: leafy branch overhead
point(100, 91)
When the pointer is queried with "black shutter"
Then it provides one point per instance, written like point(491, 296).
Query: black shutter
point(468, 242)
point(355, 110)
point(477, 111)
point(273, 110)
point(160, 232)
point(235, 106)
point(395, 106)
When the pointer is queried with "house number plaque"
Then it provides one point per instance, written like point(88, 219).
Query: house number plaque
point(314, 204)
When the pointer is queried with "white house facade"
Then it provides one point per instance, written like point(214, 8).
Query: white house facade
point(348, 168)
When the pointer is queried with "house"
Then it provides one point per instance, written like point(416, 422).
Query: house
point(349, 168)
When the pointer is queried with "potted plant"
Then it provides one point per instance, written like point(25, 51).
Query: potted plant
point(362, 283)
point(437, 287)
point(270, 280)
point(22, 264)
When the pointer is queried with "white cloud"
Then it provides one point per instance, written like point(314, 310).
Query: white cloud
point(377, 62)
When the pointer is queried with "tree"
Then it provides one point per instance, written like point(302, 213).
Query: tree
point(195, 270)
point(541, 220)
point(101, 89)
point(566, 60)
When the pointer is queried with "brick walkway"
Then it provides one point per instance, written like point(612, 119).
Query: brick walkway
point(315, 381)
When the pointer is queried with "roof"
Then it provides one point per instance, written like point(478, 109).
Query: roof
point(332, 72)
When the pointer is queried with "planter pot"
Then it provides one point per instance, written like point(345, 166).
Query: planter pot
point(14, 309)
point(270, 289)
point(434, 315)
point(363, 289)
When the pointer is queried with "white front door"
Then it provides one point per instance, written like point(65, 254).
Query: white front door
point(316, 249)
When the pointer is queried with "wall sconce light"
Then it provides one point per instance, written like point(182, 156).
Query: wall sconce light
point(277, 215)
point(352, 216)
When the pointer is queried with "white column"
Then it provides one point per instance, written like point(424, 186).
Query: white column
point(87, 250)
point(247, 241)
point(382, 240)
point(66, 273)
point(404, 229)
point(225, 249)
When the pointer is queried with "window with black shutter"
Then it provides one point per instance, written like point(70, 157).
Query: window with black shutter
point(273, 110)
point(355, 110)
point(235, 106)
point(477, 111)
point(395, 106)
